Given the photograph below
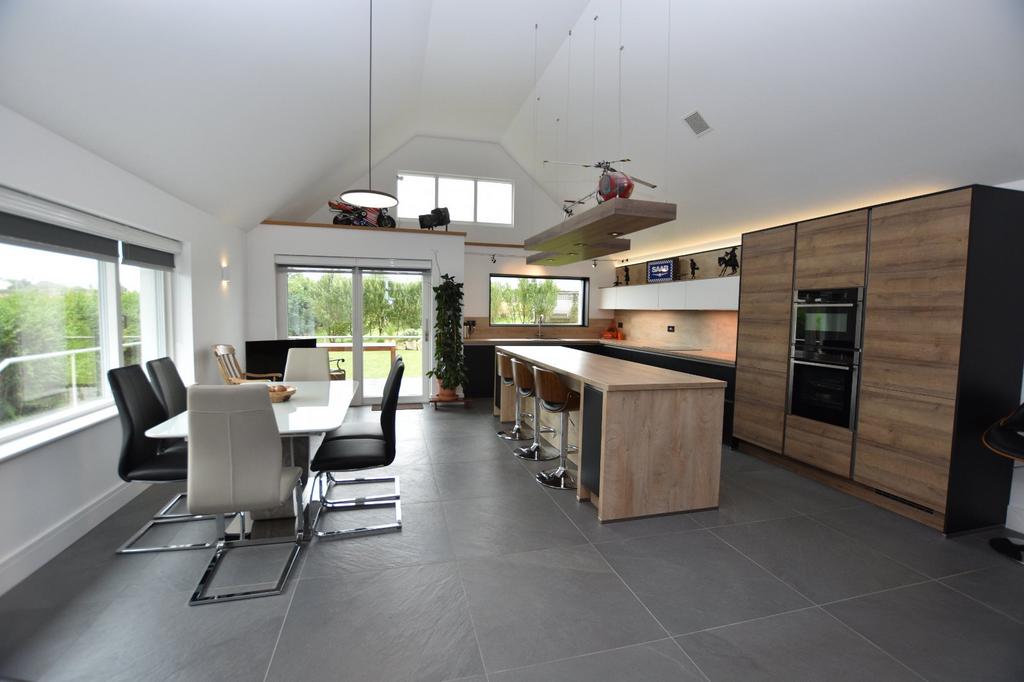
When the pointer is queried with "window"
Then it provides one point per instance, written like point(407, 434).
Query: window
point(68, 313)
point(550, 301)
point(469, 200)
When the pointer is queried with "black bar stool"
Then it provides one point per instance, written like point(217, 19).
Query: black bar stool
point(507, 379)
point(522, 374)
point(556, 398)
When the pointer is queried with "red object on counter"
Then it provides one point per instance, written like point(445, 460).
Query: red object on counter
point(621, 336)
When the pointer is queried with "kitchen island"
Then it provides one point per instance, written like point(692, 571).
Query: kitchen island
point(649, 438)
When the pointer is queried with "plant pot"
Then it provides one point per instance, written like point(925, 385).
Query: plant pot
point(446, 393)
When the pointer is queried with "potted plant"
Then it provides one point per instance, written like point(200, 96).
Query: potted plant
point(449, 364)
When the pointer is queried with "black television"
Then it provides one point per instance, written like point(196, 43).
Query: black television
point(269, 356)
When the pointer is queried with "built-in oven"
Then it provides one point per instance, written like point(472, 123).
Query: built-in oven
point(825, 359)
point(823, 385)
point(827, 318)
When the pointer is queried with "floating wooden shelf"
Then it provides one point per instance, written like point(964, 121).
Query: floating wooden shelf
point(601, 225)
point(578, 253)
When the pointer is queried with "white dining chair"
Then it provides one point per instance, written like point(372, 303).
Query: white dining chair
point(235, 465)
point(307, 364)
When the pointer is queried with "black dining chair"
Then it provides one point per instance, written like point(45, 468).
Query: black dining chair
point(142, 459)
point(354, 454)
point(369, 429)
point(173, 395)
point(170, 389)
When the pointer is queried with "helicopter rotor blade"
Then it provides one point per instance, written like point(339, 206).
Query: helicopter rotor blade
point(569, 163)
point(642, 182)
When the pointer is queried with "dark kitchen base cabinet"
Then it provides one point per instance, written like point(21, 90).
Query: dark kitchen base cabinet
point(481, 371)
point(942, 358)
point(711, 370)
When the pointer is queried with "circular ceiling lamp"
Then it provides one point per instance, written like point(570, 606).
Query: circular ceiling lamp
point(369, 198)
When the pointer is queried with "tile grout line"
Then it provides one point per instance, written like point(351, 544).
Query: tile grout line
point(640, 601)
point(978, 601)
point(870, 641)
point(583, 655)
point(465, 595)
point(771, 573)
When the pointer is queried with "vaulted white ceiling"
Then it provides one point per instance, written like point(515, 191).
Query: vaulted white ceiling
point(251, 109)
point(255, 109)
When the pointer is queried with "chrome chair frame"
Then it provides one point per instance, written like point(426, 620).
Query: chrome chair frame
point(354, 503)
point(560, 477)
point(224, 545)
point(163, 517)
point(533, 451)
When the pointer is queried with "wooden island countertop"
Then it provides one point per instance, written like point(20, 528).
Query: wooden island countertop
point(648, 439)
point(607, 374)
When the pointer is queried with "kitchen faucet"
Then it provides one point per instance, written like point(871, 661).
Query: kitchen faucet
point(540, 321)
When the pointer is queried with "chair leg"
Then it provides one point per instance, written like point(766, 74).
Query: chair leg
point(560, 477)
point(364, 503)
point(533, 451)
point(224, 545)
point(517, 429)
point(332, 481)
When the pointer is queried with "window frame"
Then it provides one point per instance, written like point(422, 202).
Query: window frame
point(584, 305)
point(40, 429)
point(476, 195)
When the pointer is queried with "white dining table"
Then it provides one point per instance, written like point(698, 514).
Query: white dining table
point(316, 408)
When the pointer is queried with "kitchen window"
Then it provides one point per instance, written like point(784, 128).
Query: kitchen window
point(468, 200)
point(520, 300)
point(72, 306)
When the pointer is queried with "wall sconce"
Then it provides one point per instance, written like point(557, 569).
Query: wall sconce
point(225, 274)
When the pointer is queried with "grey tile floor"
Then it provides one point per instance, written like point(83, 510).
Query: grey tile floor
point(494, 578)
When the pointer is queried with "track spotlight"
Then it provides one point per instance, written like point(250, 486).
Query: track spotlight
point(494, 259)
point(594, 264)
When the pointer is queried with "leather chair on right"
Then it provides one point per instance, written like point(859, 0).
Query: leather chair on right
point(556, 398)
point(235, 466)
point(307, 364)
point(142, 458)
point(369, 429)
point(1006, 438)
point(353, 454)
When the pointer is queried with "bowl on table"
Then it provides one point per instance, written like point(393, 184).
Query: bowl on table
point(280, 392)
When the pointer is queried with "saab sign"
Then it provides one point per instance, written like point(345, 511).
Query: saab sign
point(661, 270)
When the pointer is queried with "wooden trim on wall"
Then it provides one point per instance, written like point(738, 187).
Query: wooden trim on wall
point(495, 245)
point(361, 228)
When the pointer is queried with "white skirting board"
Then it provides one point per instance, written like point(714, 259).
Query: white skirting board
point(31, 556)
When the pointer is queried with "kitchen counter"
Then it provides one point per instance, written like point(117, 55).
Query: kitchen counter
point(727, 358)
point(608, 374)
point(648, 438)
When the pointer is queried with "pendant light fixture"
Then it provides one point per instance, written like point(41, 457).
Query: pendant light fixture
point(369, 198)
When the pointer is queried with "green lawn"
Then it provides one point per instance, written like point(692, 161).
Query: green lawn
point(377, 364)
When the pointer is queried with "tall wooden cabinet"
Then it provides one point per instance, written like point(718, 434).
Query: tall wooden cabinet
point(762, 344)
point(942, 350)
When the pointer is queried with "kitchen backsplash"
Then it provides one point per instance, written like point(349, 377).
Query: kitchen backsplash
point(484, 330)
point(713, 330)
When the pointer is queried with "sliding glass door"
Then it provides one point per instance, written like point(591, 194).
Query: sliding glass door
point(366, 318)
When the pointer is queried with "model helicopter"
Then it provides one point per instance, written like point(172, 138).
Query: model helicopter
point(612, 184)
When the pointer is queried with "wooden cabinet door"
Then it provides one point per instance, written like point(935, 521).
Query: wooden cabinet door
point(915, 294)
point(830, 252)
point(762, 345)
point(903, 445)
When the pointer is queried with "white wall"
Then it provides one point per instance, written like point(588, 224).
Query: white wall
point(513, 262)
point(51, 495)
point(267, 241)
point(534, 210)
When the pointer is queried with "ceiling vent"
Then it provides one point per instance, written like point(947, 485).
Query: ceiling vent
point(697, 123)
